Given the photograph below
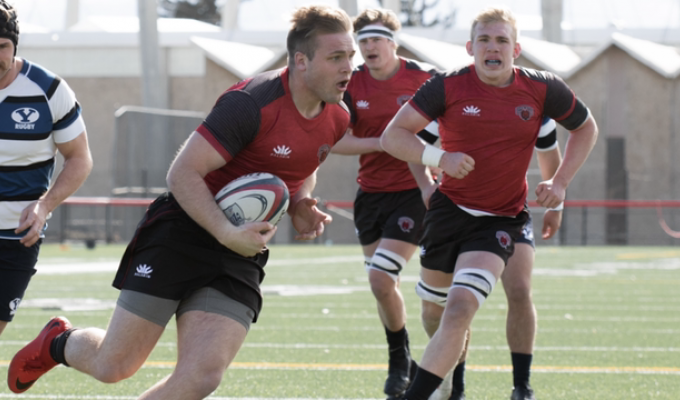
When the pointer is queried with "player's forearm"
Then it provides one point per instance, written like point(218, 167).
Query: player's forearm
point(351, 145)
point(75, 170)
point(579, 146)
point(193, 195)
point(422, 175)
point(548, 162)
point(402, 144)
point(305, 191)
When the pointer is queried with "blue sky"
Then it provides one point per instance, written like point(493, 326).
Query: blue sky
point(273, 14)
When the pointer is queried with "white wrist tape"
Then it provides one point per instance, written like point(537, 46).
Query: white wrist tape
point(432, 156)
point(559, 207)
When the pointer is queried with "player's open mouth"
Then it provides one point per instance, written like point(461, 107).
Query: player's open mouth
point(342, 85)
point(372, 57)
point(493, 63)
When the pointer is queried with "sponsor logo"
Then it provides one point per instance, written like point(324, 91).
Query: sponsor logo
point(503, 239)
point(406, 224)
point(281, 151)
point(524, 112)
point(23, 386)
point(401, 100)
point(471, 111)
point(362, 105)
point(13, 305)
point(25, 117)
point(144, 271)
point(422, 251)
point(323, 152)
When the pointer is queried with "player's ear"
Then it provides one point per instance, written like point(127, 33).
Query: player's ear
point(468, 47)
point(301, 61)
point(517, 50)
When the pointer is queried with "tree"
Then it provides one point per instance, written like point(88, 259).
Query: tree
point(202, 10)
point(425, 13)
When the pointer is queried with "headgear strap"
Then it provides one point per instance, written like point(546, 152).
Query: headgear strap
point(370, 31)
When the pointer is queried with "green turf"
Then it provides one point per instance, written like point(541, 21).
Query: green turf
point(609, 322)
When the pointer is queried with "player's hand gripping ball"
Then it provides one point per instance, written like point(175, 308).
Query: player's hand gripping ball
point(254, 198)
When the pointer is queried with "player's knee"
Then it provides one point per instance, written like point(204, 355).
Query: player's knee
point(201, 381)
point(432, 294)
point(113, 372)
point(430, 317)
point(477, 281)
point(386, 261)
point(518, 294)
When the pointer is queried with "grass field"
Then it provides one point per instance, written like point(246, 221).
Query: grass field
point(609, 327)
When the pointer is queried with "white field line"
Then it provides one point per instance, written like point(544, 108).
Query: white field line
point(382, 347)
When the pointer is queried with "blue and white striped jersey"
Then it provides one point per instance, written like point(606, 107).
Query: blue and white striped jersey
point(38, 110)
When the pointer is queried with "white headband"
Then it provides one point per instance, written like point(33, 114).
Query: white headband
point(375, 31)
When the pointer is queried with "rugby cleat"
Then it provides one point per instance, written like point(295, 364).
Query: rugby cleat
point(32, 361)
point(399, 374)
point(456, 395)
point(523, 393)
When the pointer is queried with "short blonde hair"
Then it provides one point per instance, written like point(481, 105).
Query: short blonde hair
point(310, 22)
point(372, 16)
point(495, 14)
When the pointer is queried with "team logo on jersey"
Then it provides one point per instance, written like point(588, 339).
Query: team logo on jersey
point(281, 151)
point(25, 117)
point(524, 112)
point(323, 152)
point(406, 224)
point(401, 100)
point(13, 305)
point(144, 271)
point(471, 111)
point(503, 239)
point(362, 105)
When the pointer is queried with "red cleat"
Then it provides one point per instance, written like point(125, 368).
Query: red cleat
point(31, 362)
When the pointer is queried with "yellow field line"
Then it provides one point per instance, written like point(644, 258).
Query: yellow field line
point(641, 255)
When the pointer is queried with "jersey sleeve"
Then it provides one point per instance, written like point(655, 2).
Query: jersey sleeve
point(67, 121)
point(430, 134)
point(562, 105)
point(430, 99)
point(547, 135)
point(232, 124)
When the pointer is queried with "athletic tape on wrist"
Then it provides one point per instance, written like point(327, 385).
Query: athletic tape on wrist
point(559, 207)
point(432, 156)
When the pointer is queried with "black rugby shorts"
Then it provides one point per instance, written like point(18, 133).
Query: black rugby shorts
point(450, 231)
point(17, 266)
point(389, 215)
point(171, 256)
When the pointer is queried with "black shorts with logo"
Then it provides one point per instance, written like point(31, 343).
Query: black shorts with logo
point(389, 215)
point(450, 231)
point(528, 232)
point(171, 256)
point(17, 266)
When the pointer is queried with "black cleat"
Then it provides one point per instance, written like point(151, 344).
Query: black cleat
point(399, 375)
point(456, 395)
point(523, 393)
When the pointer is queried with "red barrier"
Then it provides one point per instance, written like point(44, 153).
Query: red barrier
point(142, 201)
point(569, 203)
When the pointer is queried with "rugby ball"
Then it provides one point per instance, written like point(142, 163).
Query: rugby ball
point(254, 198)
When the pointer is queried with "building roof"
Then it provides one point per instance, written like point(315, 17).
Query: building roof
point(230, 56)
point(665, 60)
